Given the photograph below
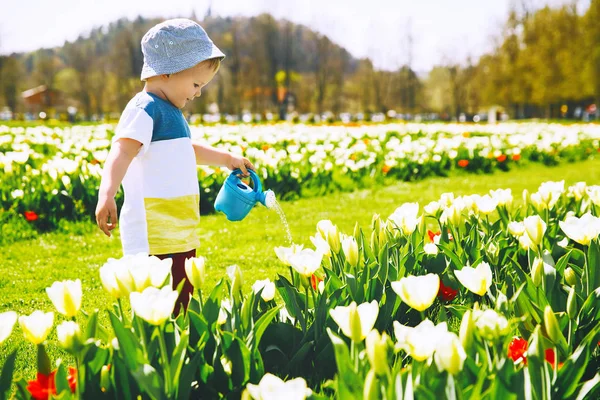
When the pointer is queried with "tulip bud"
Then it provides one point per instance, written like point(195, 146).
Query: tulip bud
point(195, 271)
point(333, 238)
point(467, 327)
point(377, 351)
point(383, 238)
point(356, 230)
point(552, 327)
point(354, 323)
point(570, 276)
point(371, 390)
point(375, 242)
point(350, 250)
point(535, 227)
point(235, 276)
point(572, 304)
point(69, 336)
point(537, 271)
point(105, 378)
point(525, 197)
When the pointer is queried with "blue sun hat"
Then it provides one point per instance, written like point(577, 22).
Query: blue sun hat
point(176, 45)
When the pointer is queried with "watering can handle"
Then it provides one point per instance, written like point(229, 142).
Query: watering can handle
point(253, 176)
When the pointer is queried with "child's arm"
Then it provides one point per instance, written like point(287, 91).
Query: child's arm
point(208, 155)
point(120, 156)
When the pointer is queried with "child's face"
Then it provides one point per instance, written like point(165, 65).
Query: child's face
point(182, 87)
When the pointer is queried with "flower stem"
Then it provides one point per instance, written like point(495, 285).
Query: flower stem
point(165, 362)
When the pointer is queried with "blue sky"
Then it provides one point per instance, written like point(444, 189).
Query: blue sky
point(442, 30)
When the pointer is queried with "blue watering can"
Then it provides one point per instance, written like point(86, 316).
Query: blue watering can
point(236, 199)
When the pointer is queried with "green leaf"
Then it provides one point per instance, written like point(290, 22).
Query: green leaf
point(60, 379)
point(239, 355)
point(149, 381)
point(179, 355)
point(349, 383)
point(592, 268)
point(260, 326)
point(7, 374)
point(213, 303)
point(92, 325)
point(129, 345)
point(187, 376)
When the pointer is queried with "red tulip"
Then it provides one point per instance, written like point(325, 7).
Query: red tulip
point(432, 234)
point(30, 216)
point(44, 387)
point(517, 349)
point(463, 163)
point(516, 157)
point(314, 281)
point(501, 158)
point(447, 293)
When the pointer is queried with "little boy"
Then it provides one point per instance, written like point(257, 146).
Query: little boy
point(152, 153)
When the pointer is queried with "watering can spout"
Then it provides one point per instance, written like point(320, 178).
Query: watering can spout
point(267, 198)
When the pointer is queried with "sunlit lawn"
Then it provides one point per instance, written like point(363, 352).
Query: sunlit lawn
point(28, 267)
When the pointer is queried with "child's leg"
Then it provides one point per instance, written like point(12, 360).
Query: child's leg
point(178, 272)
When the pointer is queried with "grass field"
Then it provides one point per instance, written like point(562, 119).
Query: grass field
point(28, 267)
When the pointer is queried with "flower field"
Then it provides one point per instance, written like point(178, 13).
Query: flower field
point(464, 297)
point(48, 175)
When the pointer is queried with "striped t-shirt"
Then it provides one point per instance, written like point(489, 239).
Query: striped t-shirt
point(161, 213)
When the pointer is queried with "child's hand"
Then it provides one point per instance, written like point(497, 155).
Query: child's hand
point(240, 162)
point(106, 214)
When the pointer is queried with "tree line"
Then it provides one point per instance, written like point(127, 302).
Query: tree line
point(545, 63)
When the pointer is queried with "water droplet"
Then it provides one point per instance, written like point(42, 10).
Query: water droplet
point(271, 202)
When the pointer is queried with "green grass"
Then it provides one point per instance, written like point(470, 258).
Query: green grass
point(28, 267)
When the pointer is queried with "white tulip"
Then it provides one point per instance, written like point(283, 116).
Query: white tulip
point(419, 342)
point(7, 322)
point(405, 217)
point(272, 387)
point(306, 262)
point(535, 228)
point(195, 270)
point(477, 280)
point(66, 297)
point(268, 289)
point(154, 305)
point(356, 321)
point(419, 292)
point(449, 354)
point(284, 253)
point(581, 230)
point(430, 248)
point(36, 326)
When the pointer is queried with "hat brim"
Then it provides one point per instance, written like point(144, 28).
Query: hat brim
point(173, 65)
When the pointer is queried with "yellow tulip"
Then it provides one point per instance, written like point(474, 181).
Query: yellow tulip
point(195, 271)
point(66, 297)
point(37, 326)
point(419, 292)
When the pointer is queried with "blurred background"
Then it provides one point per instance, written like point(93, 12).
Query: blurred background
point(312, 61)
